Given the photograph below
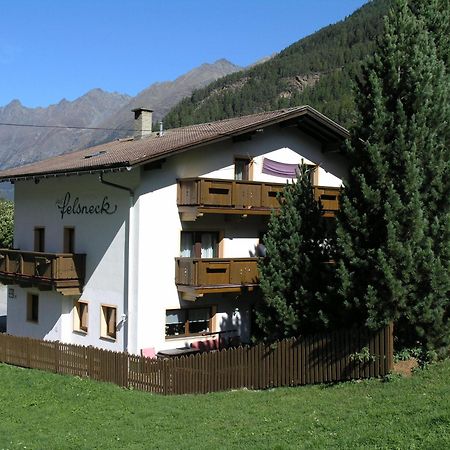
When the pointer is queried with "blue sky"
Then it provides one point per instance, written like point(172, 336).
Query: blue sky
point(54, 49)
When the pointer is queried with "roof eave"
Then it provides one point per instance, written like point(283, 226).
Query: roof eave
point(88, 171)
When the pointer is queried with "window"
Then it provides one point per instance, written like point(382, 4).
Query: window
point(80, 317)
point(108, 325)
point(33, 308)
point(39, 239)
point(242, 168)
point(199, 244)
point(313, 171)
point(69, 240)
point(185, 322)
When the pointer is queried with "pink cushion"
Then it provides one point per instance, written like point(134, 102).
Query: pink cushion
point(208, 344)
point(148, 352)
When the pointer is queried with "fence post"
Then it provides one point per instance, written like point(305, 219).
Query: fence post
point(89, 362)
point(28, 353)
point(56, 356)
point(125, 370)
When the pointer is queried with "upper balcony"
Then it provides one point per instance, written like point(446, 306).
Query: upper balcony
point(195, 277)
point(63, 272)
point(199, 196)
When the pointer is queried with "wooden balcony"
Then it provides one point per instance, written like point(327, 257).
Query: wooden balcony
point(195, 277)
point(199, 196)
point(63, 272)
point(329, 197)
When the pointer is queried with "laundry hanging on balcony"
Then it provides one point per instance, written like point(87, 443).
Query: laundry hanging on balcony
point(279, 169)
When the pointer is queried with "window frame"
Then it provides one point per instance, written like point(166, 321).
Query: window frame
point(32, 308)
point(78, 314)
point(69, 240)
point(211, 322)
point(313, 174)
point(247, 174)
point(106, 331)
point(197, 242)
point(39, 239)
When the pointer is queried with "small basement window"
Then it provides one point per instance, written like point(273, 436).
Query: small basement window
point(80, 318)
point(188, 322)
point(108, 322)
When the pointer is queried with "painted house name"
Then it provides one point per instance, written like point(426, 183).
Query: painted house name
point(69, 206)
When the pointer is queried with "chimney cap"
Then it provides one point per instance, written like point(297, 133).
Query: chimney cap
point(142, 109)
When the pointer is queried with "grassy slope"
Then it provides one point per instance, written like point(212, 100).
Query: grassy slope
point(46, 411)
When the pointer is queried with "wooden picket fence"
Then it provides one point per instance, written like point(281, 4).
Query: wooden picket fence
point(324, 358)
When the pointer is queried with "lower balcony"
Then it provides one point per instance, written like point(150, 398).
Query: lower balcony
point(329, 197)
point(63, 272)
point(196, 277)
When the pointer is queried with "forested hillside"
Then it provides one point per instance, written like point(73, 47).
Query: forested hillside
point(317, 70)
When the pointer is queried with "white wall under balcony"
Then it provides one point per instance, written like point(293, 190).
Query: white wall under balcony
point(50, 319)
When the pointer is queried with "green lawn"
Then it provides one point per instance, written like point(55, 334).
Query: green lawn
point(45, 411)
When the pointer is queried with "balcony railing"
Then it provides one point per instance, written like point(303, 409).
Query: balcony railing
point(197, 196)
point(63, 272)
point(196, 276)
point(329, 197)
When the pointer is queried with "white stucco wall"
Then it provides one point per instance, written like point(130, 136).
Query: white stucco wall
point(100, 236)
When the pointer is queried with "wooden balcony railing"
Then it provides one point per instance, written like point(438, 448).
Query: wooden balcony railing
point(63, 272)
point(196, 276)
point(329, 197)
point(197, 196)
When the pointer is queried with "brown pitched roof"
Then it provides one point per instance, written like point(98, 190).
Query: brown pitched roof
point(128, 153)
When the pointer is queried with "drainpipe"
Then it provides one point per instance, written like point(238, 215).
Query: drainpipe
point(129, 254)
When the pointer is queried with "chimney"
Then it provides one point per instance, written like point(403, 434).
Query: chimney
point(142, 122)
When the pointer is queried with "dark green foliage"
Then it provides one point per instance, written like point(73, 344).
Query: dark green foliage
point(436, 17)
point(293, 276)
point(393, 232)
point(6, 223)
point(334, 54)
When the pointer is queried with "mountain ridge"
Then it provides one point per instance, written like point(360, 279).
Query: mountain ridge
point(95, 108)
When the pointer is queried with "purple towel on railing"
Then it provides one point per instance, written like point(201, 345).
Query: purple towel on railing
point(279, 169)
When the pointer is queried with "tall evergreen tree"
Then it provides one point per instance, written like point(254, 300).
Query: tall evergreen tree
point(293, 274)
point(393, 231)
point(436, 17)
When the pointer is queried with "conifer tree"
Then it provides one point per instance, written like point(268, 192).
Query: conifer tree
point(293, 274)
point(436, 17)
point(393, 233)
